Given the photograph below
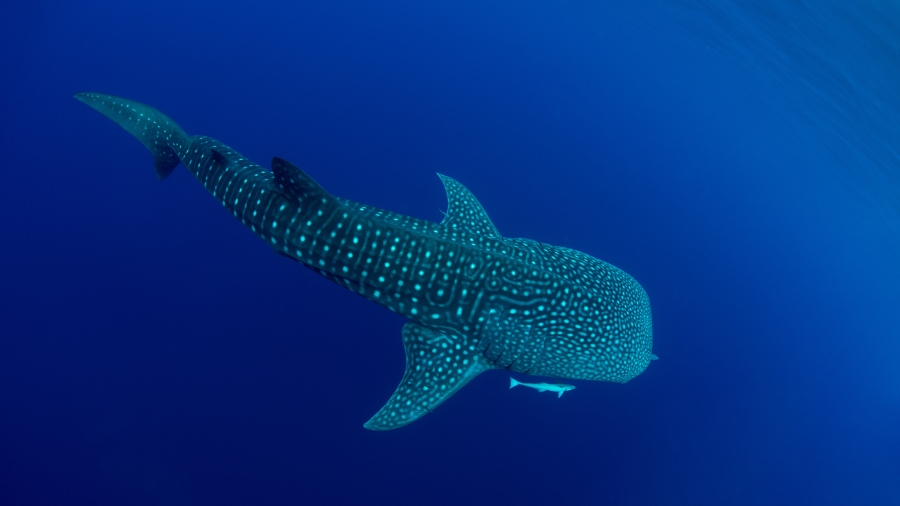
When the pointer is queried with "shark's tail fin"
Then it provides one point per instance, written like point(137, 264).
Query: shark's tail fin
point(513, 382)
point(162, 136)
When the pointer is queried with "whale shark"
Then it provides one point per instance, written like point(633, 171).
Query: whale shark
point(475, 300)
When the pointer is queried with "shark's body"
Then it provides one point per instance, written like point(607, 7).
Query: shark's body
point(559, 388)
point(475, 300)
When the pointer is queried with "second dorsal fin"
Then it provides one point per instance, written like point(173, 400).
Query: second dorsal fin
point(464, 212)
point(292, 182)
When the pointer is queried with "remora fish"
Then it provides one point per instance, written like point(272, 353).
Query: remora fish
point(475, 300)
point(543, 387)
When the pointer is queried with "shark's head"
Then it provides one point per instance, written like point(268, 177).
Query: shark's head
point(634, 338)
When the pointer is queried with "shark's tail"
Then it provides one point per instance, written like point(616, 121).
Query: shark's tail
point(162, 136)
point(513, 382)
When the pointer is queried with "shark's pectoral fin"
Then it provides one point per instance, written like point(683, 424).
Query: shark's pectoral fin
point(435, 369)
point(560, 394)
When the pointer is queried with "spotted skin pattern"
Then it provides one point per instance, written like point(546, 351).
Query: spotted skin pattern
point(475, 300)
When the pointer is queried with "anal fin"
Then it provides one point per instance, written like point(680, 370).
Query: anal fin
point(435, 369)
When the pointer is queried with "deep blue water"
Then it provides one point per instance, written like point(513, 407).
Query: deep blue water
point(739, 160)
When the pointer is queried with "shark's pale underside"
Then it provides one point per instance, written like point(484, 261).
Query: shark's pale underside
point(475, 300)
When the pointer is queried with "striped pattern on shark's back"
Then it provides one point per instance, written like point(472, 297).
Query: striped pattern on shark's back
point(475, 300)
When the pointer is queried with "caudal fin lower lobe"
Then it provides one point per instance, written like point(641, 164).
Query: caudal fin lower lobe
point(162, 136)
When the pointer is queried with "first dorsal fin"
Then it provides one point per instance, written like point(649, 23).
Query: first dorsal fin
point(437, 365)
point(464, 212)
point(292, 182)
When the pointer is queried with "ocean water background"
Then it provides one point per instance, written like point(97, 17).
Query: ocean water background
point(739, 159)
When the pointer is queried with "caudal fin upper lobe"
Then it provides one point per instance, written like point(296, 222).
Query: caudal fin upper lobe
point(162, 136)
